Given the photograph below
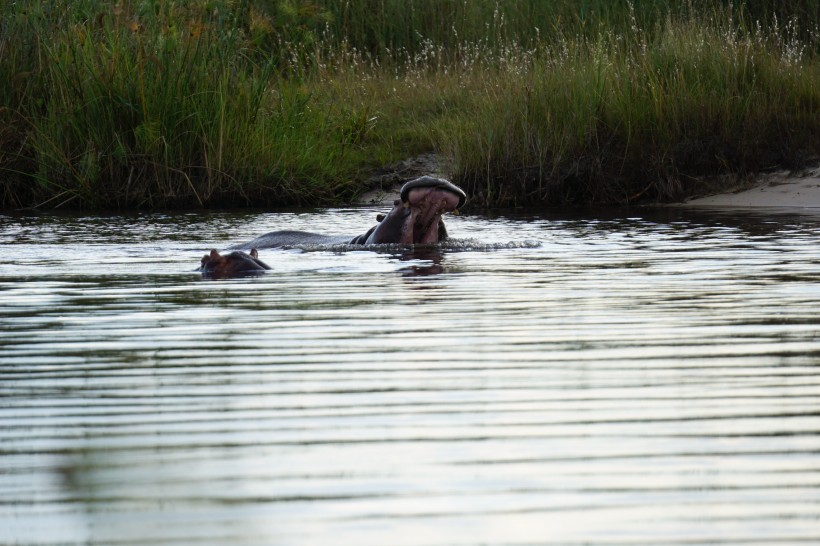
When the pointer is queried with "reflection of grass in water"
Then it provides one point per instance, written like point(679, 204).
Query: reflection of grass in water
point(293, 102)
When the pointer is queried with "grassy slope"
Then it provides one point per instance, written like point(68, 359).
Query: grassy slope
point(223, 103)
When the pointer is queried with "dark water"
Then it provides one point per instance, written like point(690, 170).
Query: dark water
point(649, 377)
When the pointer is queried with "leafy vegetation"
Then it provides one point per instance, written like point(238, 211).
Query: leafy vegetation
point(216, 103)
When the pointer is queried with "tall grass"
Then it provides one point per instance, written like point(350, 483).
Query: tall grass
point(643, 115)
point(165, 107)
point(387, 27)
point(171, 103)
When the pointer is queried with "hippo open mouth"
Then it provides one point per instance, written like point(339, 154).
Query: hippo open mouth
point(426, 199)
point(414, 219)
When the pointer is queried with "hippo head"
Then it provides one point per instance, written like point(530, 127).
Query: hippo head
point(416, 216)
point(235, 264)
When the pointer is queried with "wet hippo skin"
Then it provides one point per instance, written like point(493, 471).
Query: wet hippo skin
point(414, 219)
point(234, 264)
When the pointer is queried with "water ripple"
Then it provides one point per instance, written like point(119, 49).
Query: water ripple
point(624, 379)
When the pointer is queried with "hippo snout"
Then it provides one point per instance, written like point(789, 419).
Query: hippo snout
point(235, 264)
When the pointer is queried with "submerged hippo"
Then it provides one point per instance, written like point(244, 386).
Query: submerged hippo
point(235, 264)
point(414, 219)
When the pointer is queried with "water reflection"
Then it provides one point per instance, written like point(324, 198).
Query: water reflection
point(426, 261)
point(642, 377)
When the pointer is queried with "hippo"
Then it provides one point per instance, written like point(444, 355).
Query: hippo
point(414, 219)
point(235, 264)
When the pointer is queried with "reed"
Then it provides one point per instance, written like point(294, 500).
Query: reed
point(642, 115)
point(172, 108)
point(235, 102)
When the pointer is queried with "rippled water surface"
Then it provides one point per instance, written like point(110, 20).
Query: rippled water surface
point(648, 377)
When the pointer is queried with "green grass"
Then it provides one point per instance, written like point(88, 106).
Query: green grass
point(642, 116)
point(218, 103)
point(137, 112)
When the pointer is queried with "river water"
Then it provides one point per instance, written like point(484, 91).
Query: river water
point(648, 377)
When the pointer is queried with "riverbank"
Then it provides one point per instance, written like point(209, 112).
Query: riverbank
point(782, 189)
point(225, 104)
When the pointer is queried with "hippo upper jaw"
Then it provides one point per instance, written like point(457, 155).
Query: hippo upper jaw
point(432, 183)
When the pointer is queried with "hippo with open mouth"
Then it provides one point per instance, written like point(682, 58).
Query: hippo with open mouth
point(414, 219)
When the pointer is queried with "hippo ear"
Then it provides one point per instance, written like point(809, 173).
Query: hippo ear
point(379, 217)
point(214, 254)
point(254, 253)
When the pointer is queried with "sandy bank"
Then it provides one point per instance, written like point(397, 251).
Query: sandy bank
point(781, 189)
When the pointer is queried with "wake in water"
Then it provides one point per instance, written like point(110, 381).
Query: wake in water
point(450, 245)
point(482, 246)
point(242, 264)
